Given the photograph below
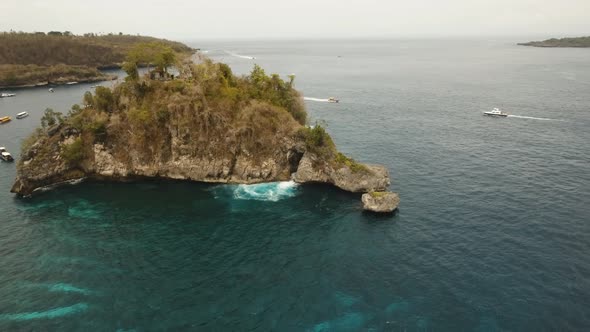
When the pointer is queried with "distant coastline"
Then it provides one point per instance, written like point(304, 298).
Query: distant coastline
point(54, 58)
point(563, 42)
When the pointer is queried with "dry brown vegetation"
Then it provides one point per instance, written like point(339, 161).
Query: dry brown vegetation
point(33, 58)
point(208, 112)
point(93, 51)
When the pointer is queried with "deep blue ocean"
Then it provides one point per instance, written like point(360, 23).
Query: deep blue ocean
point(492, 232)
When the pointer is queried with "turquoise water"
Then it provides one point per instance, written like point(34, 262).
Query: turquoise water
point(492, 232)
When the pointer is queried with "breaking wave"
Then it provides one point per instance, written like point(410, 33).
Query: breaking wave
point(52, 313)
point(273, 191)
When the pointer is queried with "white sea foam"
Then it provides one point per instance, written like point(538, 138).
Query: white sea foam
point(59, 288)
point(273, 191)
point(52, 313)
point(55, 185)
point(240, 56)
point(67, 288)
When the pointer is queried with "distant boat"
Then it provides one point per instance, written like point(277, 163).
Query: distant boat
point(50, 89)
point(5, 119)
point(333, 100)
point(496, 112)
point(71, 83)
point(22, 115)
point(6, 95)
point(4, 155)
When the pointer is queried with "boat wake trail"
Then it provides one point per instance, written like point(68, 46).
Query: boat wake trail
point(272, 192)
point(316, 99)
point(531, 117)
point(240, 56)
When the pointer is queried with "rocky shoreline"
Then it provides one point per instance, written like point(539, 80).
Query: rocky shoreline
point(293, 165)
point(63, 81)
point(291, 162)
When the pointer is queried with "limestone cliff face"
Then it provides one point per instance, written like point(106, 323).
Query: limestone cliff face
point(288, 160)
point(42, 165)
point(313, 169)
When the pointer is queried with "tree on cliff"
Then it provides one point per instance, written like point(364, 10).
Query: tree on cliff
point(157, 54)
point(50, 118)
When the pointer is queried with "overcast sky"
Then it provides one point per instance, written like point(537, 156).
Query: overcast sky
point(259, 19)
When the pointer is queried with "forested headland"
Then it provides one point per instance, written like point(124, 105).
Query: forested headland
point(32, 59)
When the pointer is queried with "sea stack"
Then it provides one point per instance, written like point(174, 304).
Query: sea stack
point(380, 201)
point(204, 124)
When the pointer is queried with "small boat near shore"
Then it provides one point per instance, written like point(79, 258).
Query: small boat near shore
point(333, 100)
point(50, 90)
point(71, 83)
point(496, 112)
point(22, 115)
point(5, 119)
point(5, 155)
point(6, 95)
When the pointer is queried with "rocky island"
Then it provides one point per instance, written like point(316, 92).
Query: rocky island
point(206, 124)
point(37, 59)
point(563, 42)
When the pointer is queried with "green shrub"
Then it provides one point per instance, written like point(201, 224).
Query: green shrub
point(317, 137)
point(73, 153)
point(97, 128)
point(355, 167)
point(377, 194)
point(139, 116)
point(104, 100)
point(51, 118)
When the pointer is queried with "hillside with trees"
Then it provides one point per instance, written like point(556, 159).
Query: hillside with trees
point(28, 59)
point(563, 42)
point(204, 124)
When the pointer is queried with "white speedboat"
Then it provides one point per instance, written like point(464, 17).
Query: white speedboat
point(71, 83)
point(333, 100)
point(4, 155)
point(22, 115)
point(6, 95)
point(496, 112)
point(50, 90)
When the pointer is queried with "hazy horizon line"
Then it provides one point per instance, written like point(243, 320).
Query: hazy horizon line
point(368, 37)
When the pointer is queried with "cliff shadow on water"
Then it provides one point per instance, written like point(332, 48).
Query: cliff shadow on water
point(164, 199)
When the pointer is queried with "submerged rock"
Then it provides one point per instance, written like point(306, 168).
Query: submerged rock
point(380, 201)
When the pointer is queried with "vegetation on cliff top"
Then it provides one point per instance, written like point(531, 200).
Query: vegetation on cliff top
point(56, 57)
point(216, 111)
point(563, 42)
